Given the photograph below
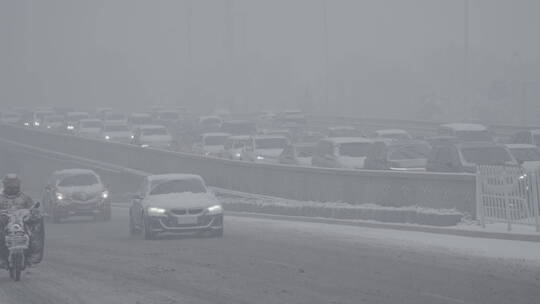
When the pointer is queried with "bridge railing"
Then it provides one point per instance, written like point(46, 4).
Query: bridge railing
point(386, 188)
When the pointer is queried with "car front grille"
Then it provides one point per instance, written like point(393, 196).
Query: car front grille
point(190, 211)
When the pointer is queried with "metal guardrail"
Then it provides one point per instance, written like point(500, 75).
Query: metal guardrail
point(386, 188)
point(508, 194)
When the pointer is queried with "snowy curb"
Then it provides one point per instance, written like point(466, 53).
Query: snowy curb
point(375, 213)
point(379, 225)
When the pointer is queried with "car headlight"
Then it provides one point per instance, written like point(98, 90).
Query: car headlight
point(144, 146)
point(238, 155)
point(260, 157)
point(156, 211)
point(36, 123)
point(216, 209)
point(107, 137)
point(26, 124)
point(522, 177)
point(132, 136)
point(48, 127)
point(59, 196)
point(105, 194)
point(71, 127)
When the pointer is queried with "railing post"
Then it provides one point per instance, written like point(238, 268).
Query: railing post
point(479, 198)
point(535, 201)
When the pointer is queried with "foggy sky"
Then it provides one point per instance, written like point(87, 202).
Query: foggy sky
point(383, 56)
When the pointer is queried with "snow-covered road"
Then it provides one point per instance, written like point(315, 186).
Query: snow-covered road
point(269, 261)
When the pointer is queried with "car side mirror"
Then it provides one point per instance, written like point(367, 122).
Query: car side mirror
point(36, 205)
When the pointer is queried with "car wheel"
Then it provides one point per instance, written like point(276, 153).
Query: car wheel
point(55, 215)
point(146, 232)
point(218, 233)
point(104, 214)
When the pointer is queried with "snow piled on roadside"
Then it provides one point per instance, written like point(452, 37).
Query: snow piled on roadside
point(331, 205)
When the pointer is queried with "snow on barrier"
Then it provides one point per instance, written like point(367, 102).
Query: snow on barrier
point(385, 188)
point(508, 194)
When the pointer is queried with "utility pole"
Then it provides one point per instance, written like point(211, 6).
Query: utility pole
point(466, 76)
point(326, 55)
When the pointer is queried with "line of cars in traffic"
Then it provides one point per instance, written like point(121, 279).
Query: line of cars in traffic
point(286, 138)
point(166, 203)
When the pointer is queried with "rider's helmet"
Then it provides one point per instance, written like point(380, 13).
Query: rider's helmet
point(12, 185)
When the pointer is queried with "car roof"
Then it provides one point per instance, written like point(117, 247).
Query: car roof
point(173, 177)
point(341, 128)
point(140, 115)
point(77, 113)
point(75, 171)
point(240, 137)
point(151, 127)
point(475, 144)
point(215, 134)
point(239, 121)
point(391, 131)
point(115, 123)
point(345, 140)
point(464, 126)
point(90, 120)
point(520, 146)
point(270, 137)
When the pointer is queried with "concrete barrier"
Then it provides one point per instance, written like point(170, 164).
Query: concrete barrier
point(386, 188)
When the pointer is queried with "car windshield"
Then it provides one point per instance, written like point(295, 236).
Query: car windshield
point(399, 136)
point(486, 155)
point(270, 143)
point(410, 151)
point(118, 128)
point(169, 116)
point(526, 154)
point(91, 124)
point(345, 132)
point(241, 143)
point(86, 179)
point(54, 119)
point(354, 149)
point(178, 186)
point(483, 135)
point(141, 120)
point(211, 121)
point(218, 140)
point(115, 117)
point(537, 139)
point(240, 128)
point(77, 117)
point(156, 131)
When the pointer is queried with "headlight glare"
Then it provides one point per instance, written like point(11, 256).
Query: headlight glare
point(260, 157)
point(59, 196)
point(107, 137)
point(105, 194)
point(156, 211)
point(216, 209)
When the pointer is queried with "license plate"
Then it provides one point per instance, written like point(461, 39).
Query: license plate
point(186, 220)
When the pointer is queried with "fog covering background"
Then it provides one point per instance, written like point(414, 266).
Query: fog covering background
point(391, 58)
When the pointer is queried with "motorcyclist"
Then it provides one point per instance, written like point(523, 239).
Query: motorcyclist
point(13, 198)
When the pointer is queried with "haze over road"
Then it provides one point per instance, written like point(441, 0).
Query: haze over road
point(264, 261)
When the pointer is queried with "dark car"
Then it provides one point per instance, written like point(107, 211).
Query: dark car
point(76, 192)
point(465, 156)
point(409, 155)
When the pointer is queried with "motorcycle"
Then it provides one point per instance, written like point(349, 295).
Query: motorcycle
point(17, 239)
